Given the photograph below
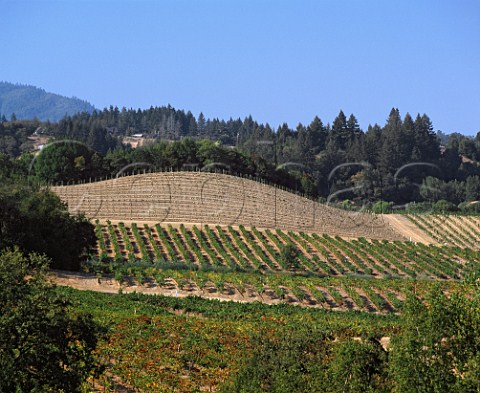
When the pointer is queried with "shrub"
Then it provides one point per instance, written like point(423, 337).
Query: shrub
point(382, 207)
point(289, 257)
point(420, 207)
point(443, 206)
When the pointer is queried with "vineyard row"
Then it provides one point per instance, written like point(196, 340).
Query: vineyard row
point(251, 249)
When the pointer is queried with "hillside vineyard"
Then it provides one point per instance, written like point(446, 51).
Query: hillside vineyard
point(212, 198)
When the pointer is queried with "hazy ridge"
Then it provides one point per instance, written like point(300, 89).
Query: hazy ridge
point(29, 102)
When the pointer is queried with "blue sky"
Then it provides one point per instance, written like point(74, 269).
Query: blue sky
point(280, 61)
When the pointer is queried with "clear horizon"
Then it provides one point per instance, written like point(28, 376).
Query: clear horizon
point(277, 61)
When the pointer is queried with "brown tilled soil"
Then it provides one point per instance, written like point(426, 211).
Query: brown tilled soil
point(244, 293)
point(89, 282)
point(407, 229)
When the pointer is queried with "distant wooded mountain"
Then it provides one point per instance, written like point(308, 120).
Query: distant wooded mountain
point(29, 102)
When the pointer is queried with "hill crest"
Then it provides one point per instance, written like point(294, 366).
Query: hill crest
point(212, 198)
point(28, 102)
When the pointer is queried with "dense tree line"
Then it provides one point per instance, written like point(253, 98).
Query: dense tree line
point(68, 161)
point(393, 162)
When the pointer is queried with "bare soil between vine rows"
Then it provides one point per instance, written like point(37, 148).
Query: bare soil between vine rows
point(90, 282)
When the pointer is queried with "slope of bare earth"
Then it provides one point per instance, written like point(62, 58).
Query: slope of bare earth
point(400, 224)
point(213, 198)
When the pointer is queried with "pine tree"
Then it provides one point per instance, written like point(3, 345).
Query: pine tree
point(425, 139)
point(353, 128)
point(201, 124)
point(372, 143)
point(316, 136)
point(472, 188)
point(339, 134)
point(395, 150)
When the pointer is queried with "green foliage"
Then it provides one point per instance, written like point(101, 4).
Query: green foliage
point(289, 256)
point(382, 207)
point(253, 347)
point(67, 161)
point(347, 204)
point(160, 339)
point(443, 206)
point(358, 366)
point(262, 152)
point(291, 361)
point(419, 207)
point(469, 207)
point(36, 220)
point(306, 360)
point(14, 136)
point(434, 189)
point(438, 349)
point(43, 346)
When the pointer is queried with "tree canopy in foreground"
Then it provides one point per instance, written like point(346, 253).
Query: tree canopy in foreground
point(43, 346)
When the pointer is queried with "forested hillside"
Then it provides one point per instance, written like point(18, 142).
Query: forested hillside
point(29, 102)
point(400, 162)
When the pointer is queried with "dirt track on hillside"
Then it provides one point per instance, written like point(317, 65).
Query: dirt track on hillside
point(404, 227)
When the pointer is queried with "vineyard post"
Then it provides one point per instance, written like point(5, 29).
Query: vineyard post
point(275, 207)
